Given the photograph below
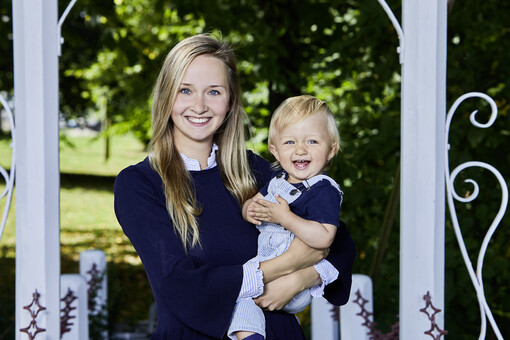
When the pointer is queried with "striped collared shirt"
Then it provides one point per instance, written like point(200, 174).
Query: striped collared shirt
point(194, 165)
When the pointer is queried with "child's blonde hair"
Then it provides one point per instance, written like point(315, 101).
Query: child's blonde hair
point(295, 109)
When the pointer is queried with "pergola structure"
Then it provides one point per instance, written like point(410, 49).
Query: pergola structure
point(423, 57)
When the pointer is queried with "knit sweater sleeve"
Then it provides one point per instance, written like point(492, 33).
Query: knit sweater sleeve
point(195, 293)
point(341, 256)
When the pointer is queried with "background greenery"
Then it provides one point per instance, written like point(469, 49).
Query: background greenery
point(343, 51)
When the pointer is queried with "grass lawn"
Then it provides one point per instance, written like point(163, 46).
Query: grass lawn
point(85, 154)
point(86, 198)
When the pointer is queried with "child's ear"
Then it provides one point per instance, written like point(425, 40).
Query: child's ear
point(332, 151)
point(273, 150)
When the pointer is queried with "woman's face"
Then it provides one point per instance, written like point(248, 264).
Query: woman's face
point(201, 104)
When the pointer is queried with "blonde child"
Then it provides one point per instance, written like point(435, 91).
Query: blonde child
point(300, 201)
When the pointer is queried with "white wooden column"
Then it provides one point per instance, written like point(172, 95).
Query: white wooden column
point(37, 172)
point(422, 181)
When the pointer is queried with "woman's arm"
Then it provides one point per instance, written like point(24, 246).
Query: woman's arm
point(341, 256)
point(280, 291)
point(298, 256)
point(183, 285)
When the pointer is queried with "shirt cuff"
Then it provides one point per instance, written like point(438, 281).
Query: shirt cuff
point(252, 285)
point(328, 273)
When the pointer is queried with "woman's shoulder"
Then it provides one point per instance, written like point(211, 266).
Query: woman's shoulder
point(139, 173)
point(261, 168)
point(142, 167)
point(255, 159)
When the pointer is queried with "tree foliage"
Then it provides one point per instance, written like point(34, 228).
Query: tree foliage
point(342, 51)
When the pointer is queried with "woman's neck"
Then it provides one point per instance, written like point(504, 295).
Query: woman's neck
point(198, 151)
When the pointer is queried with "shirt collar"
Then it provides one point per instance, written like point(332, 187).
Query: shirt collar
point(194, 165)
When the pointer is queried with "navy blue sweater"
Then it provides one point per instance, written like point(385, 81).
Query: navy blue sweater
point(195, 293)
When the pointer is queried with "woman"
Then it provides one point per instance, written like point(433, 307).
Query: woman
point(181, 207)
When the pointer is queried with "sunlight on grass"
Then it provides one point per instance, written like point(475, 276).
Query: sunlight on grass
point(86, 155)
point(87, 219)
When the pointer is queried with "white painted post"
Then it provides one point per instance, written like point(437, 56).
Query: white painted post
point(354, 315)
point(351, 323)
point(92, 266)
point(73, 289)
point(422, 182)
point(37, 171)
point(323, 327)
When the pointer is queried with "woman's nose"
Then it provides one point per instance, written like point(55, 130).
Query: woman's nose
point(198, 106)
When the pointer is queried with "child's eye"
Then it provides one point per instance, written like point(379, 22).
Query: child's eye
point(288, 142)
point(313, 141)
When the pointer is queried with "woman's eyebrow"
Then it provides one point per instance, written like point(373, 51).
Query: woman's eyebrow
point(212, 85)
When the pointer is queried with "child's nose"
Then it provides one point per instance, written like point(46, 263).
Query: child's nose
point(300, 149)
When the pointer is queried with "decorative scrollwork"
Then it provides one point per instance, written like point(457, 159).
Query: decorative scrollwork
point(33, 308)
point(476, 277)
point(373, 332)
point(8, 177)
point(435, 332)
point(65, 312)
point(94, 285)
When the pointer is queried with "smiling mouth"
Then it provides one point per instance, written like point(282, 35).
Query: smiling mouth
point(301, 164)
point(198, 120)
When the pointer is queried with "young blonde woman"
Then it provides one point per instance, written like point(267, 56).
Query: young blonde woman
point(181, 207)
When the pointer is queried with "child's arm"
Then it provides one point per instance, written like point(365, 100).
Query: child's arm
point(314, 234)
point(253, 205)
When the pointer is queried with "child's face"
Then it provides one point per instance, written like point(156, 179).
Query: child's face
point(303, 148)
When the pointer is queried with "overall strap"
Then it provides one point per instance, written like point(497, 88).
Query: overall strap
point(315, 179)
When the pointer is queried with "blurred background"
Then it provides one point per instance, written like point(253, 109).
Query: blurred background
point(342, 51)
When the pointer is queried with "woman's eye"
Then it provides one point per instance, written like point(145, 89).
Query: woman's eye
point(214, 92)
point(185, 91)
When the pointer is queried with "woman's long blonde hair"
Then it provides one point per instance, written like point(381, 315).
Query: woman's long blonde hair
point(232, 160)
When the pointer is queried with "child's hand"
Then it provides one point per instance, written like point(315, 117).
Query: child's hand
point(271, 212)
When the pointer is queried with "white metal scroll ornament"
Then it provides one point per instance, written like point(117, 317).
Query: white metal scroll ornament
point(8, 176)
point(476, 277)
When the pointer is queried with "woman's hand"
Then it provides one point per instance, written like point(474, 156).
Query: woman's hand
point(279, 292)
